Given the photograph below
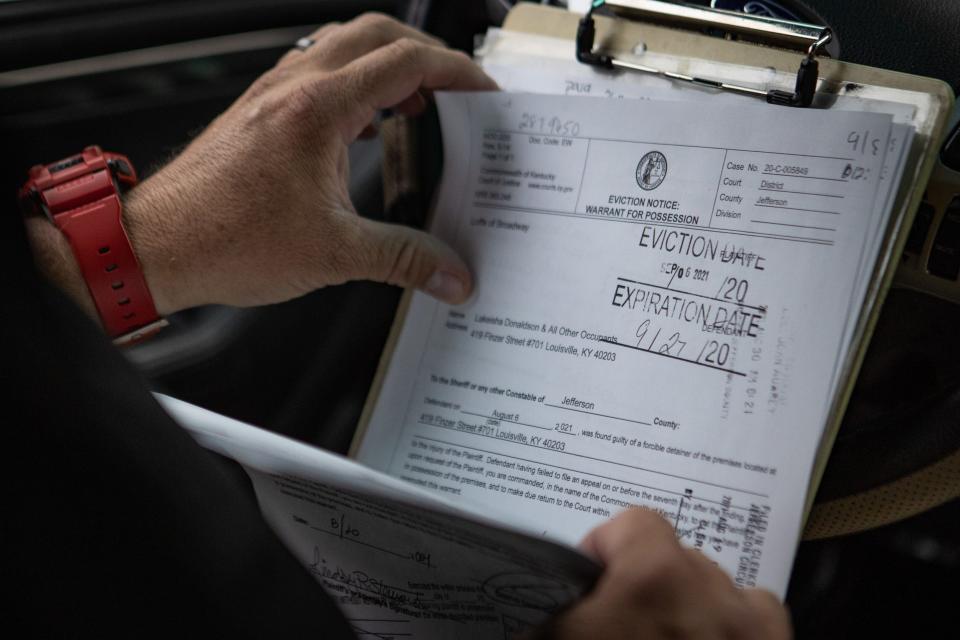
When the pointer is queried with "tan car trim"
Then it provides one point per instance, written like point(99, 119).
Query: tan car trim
point(920, 491)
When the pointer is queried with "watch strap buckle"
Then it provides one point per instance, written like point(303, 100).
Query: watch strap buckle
point(142, 333)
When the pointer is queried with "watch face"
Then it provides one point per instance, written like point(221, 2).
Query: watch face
point(65, 164)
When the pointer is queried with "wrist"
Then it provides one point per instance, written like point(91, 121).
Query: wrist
point(150, 217)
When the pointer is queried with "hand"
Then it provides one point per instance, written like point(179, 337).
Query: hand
point(257, 210)
point(654, 588)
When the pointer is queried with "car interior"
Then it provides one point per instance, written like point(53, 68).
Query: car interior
point(144, 76)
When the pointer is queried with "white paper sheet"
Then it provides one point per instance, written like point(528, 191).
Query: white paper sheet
point(661, 305)
point(398, 561)
point(522, 62)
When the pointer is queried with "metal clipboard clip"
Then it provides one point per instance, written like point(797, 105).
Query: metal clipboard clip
point(770, 31)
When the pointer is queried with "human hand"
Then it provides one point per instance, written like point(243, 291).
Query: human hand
point(257, 209)
point(652, 588)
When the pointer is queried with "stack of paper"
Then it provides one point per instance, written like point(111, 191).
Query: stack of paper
point(668, 286)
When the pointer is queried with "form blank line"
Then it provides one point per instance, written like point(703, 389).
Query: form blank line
point(791, 175)
point(771, 206)
point(802, 193)
point(602, 415)
point(801, 226)
point(673, 357)
point(480, 415)
point(362, 543)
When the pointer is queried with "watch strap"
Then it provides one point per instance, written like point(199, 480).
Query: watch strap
point(109, 267)
point(80, 196)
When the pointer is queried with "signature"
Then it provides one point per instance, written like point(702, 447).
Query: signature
point(529, 591)
point(362, 581)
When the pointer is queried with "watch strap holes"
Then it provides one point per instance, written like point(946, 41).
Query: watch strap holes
point(110, 267)
point(118, 284)
point(128, 316)
point(123, 301)
point(103, 250)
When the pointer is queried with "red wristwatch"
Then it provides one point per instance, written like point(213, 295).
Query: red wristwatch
point(81, 197)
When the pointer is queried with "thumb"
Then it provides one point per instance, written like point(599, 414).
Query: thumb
point(411, 258)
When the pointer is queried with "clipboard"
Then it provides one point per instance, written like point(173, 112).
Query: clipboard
point(766, 54)
point(763, 56)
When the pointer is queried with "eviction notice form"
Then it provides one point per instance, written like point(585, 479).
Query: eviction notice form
point(660, 306)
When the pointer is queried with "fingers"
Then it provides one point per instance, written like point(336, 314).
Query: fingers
point(630, 528)
point(317, 36)
point(373, 63)
point(394, 72)
point(771, 616)
point(412, 106)
point(335, 45)
point(409, 258)
point(653, 587)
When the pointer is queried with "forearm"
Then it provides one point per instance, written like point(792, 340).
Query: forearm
point(159, 225)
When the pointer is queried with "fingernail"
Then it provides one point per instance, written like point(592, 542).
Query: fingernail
point(445, 286)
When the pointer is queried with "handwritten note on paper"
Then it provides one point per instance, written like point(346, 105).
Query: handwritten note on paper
point(399, 562)
point(662, 300)
point(401, 573)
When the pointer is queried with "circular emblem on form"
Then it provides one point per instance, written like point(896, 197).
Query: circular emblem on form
point(651, 170)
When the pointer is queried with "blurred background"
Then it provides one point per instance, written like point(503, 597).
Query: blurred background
point(142, 77)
